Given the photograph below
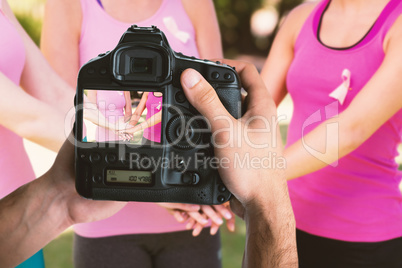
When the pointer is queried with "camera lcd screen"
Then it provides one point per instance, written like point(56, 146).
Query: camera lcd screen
point(128, 176)
point(122, 116)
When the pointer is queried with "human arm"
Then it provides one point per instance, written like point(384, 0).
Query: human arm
point(153, 120)
point(206, 28)
point(139, 109)
point(61, 32)
point(38, 79)
point(281, 54)
point(261, 196)
point(127, 108)
point(39, 211)
point(28, 117)
point(375, 104)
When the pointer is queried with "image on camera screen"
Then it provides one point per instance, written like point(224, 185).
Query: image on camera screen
point(122, 116)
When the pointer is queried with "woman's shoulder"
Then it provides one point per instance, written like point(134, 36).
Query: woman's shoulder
point(299, 14)
point(295, 20)
point(394, 34)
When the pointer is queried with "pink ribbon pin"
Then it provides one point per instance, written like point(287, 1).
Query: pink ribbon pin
point(342, 90)
point(172, 27)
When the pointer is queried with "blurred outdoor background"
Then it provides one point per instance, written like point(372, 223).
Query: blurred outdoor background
point(247, 29)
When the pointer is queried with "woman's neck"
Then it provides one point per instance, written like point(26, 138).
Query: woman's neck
point(131, 10)
point(358, 5)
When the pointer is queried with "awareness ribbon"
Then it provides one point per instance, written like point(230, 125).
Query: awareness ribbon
point(342, 90)
point(172, 27)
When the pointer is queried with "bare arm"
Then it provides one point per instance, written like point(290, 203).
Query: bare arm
point(208, 36)
point(38, 78)
point(261, 196)
point(281, 54)
point(38, 212)
point(29, 117)
point(60, 37)
point(153, 120)
point(139, 109)
point(127, 108)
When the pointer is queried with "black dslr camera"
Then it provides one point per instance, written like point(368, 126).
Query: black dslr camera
point(164, 153)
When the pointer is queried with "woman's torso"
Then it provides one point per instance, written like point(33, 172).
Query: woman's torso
point(111, 104)
point(154, 106)
point(100, 33)
point(357, 198)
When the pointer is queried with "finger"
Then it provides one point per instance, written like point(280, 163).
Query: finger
point(202, 96)
point(190, 224)
point(197, 230)
point(185, 215)
point(225, 212)
point(178, 215)
point(211, 214)
point(214, 229)
point(231, 224)
point(198, 217)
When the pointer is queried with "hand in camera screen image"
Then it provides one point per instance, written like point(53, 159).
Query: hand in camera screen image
point(113, 116)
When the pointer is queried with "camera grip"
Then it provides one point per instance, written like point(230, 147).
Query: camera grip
point(231, 100)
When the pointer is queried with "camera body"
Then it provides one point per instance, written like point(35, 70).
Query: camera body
point(173, 167)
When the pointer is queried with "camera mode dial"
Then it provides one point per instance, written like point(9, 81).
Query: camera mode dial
point(184, 132)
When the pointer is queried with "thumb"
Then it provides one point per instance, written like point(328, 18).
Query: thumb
point(202, 95)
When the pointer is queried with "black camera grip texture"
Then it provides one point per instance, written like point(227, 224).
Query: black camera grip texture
point(231, 100)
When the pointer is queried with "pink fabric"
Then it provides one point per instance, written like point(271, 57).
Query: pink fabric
point(154, 105)
point(15, 167)
point(99, 33)
point(359, 199)
point(111, 104)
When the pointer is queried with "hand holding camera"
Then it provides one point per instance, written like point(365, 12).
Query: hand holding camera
point(166, 157)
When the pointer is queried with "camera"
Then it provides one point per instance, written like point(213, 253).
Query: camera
point(164, 151)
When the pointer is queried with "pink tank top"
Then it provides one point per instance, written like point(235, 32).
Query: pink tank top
point(359, 199)
point(15, 166)
point(111, 104)
point(154, 105)
point(99, 33)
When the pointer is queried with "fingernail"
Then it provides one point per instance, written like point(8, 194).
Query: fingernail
point(219, 221)
point(228, 215)
point(191, 78)
point(232, 227)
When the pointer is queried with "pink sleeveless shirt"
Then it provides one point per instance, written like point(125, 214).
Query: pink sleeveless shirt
point(15, 166)
point(154, 105)
point(111, 104)
point(99, 33)
point(359, 199)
